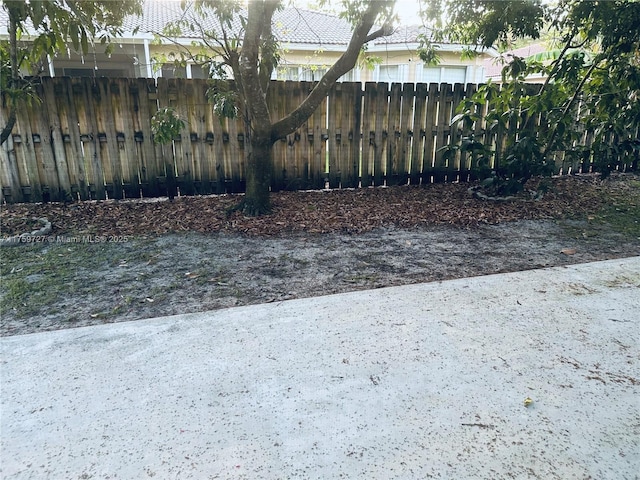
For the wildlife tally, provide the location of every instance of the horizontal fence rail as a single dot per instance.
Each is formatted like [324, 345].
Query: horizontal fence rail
[91, 139]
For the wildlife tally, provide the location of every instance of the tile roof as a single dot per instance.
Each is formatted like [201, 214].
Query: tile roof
[493, 66]
[291, 24]
[404, 34]
[297, 25]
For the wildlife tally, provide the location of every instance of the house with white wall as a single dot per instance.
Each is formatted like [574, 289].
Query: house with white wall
[310, 42]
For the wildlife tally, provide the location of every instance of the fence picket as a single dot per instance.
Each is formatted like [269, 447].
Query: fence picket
[393, 134]
[107, 137]
[292, 171]
[406, 133]
[302, 147]
[418, 133]
[213, 147]
[29, 177]
[233, 155]
[455, 165]
[42, 145]
[368, 133]
[11, 192]
[143, 109]
[428, 165]
[197, 103]
[335, 144]
[69, 125]
[85, 108]
[381, 134]
[56, 144]
[317, 143]
[351, 133]
[121, 104]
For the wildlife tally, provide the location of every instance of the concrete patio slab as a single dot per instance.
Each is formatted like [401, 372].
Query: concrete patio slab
[415, 382]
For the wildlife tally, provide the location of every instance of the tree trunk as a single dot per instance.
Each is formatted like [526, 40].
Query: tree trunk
[13, 80]
[259, 165]
[253, 72]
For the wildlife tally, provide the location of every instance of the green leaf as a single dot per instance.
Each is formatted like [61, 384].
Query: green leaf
[74, 35]
[37, 13]
[84, 42]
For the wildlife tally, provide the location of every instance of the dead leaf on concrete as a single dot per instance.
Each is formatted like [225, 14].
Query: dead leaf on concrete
[568, 251]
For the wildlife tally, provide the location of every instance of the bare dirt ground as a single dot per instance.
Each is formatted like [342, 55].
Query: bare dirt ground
[116, 261]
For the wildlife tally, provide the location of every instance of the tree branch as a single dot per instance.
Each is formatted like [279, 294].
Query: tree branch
[346, 62]
[554, 70]
[250, 82]
[385, 31]
[556, 62]
[268, 60]
[14, 19]
[8, 128]
[579, 88]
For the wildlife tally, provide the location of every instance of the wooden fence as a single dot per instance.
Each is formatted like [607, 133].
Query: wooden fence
[91, 139]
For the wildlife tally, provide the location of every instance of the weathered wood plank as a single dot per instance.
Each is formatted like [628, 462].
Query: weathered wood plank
[282, 165]
[52, 90]
[278, 107]
[317, 145]
[107, 141]
[123, 112]
[85, 108]
[302, 149]
[334, 131]
[150, 166]
[394, 147]
[499, 141]
[196, 105]
[370, 98]
[417, 146]
[32, 182]
[10, 190]
[429, 161]
[233, 156]
[41, 139]
[442, 132]
[292, 168]
[352, 126]
[236, 144]
[303, 155]
[406, 133]
[181, 143]
[214, 150]
[454, 163]
[69, 125]
[466, 131]
[167, 152]
[381, 134]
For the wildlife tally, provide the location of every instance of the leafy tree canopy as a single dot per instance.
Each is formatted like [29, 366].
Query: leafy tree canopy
[592, 87]
[236, 40]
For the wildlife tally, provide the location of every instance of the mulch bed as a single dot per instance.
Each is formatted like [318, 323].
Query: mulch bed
[350, 211]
